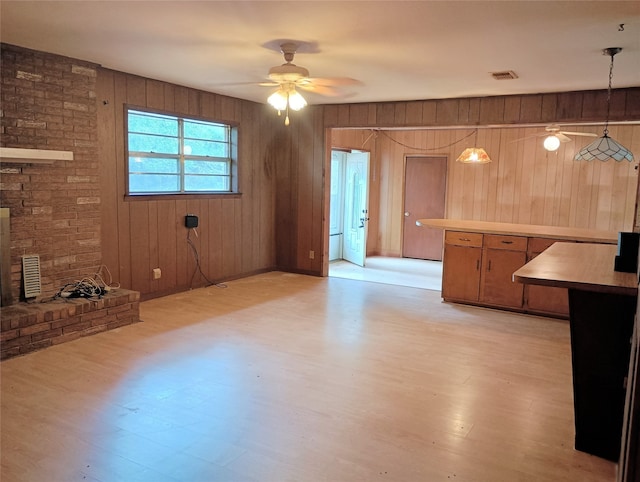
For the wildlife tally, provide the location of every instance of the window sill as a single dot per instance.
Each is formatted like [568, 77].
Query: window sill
[165, 197]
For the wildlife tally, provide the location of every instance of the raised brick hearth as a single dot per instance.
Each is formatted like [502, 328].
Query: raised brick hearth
[27, 327]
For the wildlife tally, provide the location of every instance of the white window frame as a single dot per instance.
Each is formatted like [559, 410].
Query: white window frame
[181, 157]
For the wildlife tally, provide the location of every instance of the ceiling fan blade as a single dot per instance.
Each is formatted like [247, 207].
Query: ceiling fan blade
[586, 134]
[320, 89]
[562, 138]
[528, 137]
[333, 81]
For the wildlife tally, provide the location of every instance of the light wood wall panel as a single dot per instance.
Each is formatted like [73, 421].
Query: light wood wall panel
[524, 183]
[236, 235]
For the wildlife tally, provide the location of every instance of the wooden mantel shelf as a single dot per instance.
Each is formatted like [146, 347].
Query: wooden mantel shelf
[17, 155]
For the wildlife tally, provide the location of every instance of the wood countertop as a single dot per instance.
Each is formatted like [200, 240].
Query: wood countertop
[531, 230]
[583, 266]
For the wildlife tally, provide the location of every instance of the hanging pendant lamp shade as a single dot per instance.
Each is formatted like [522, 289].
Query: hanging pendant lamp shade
[474, 155]
[605, 147]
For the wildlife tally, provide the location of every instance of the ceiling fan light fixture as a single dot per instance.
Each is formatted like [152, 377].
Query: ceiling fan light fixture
[296, 101]
[474, 155]
[551, 143]
[604, 148]
[278, 100]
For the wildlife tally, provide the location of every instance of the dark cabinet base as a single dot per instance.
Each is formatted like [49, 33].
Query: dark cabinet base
[601, 330]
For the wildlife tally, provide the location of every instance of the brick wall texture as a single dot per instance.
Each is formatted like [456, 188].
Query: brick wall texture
[48, 102]
[33, 326]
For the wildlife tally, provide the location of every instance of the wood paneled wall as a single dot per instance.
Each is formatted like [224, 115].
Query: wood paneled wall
[524, 183]
[280, 216]
[539, 109]
[236, 233]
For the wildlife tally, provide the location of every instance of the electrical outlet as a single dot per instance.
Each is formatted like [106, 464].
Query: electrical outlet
[312, 255]
[157, 273]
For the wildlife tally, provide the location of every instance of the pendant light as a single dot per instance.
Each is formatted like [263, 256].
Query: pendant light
[604, 148]
[474, 155]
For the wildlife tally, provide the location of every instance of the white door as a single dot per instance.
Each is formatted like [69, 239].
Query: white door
[356, 205]
[336, 205]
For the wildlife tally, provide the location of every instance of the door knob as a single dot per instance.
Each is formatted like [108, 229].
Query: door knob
[406, 214]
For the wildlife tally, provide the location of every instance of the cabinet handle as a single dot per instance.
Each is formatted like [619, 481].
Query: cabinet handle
[489, 266]
[464, 239]
[478, 265]
[507, 242]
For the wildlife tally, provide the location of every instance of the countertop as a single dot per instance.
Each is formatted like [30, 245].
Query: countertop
[529, 230]
[583, 266]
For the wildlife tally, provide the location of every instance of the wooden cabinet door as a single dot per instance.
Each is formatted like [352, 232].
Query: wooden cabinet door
[461, 273]
[548, 300]
[497, 285]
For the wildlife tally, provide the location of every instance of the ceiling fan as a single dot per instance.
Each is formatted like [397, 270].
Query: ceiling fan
[289, 76]
[554, 136]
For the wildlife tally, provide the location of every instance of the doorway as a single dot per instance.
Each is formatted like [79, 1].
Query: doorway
[425, 184]
[348, 209]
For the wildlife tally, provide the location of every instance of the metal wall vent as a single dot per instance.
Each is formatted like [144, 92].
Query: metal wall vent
[505, 75]
[31, 275]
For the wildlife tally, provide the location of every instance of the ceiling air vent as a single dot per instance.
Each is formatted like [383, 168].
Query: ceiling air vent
[31, 275]
[505, 75]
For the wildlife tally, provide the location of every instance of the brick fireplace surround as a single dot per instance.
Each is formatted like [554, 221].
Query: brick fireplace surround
[30, 327]
[49, 102]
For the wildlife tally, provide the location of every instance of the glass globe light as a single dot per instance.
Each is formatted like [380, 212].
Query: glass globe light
[551, 143]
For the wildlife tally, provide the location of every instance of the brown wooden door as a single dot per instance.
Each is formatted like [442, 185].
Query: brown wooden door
[425, 185]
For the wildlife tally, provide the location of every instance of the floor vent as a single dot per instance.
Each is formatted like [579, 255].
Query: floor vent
[31, 275]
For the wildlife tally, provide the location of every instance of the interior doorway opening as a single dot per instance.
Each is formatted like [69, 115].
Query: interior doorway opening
[349, 206]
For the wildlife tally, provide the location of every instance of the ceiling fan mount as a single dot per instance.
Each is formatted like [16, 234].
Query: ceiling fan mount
[288, 72]
[290, 75]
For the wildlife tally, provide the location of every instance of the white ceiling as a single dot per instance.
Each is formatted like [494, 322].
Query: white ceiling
[398, 50]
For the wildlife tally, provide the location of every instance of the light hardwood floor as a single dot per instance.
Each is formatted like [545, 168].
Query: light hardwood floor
[417, 273]
[285, 377]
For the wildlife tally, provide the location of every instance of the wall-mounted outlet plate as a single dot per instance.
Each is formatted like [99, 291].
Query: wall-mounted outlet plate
[157, 273]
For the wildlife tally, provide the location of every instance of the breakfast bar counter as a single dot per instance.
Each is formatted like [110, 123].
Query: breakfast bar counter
[602, 307]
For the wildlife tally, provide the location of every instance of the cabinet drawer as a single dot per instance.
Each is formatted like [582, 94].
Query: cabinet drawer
[460, 238]
[512, 243]
[538, 245]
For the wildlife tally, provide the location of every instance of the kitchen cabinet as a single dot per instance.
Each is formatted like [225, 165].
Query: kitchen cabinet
[501, 256]
[480, 258]
[546, 300]
[463, 258]
[478, 268]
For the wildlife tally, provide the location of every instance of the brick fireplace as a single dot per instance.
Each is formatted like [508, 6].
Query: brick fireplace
[49, 103]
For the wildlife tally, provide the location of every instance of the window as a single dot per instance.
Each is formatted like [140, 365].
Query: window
[175, 155]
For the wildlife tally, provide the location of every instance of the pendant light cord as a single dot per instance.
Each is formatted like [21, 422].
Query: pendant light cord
[606, 124]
